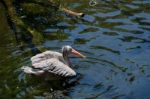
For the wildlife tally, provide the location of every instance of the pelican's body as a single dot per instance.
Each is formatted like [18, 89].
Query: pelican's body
[52, 62]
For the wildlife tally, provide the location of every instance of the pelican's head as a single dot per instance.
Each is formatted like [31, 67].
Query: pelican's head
[67, 49]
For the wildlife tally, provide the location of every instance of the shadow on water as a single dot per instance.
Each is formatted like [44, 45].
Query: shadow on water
[114, 35]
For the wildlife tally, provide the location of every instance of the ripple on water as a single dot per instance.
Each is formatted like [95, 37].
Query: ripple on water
[114, 35]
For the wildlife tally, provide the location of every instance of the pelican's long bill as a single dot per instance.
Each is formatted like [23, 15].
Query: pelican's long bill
[77, 53]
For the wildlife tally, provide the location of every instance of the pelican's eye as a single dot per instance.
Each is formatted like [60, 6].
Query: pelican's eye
[69, 49]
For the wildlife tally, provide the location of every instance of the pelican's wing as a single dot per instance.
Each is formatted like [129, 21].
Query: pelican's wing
[55, 66]
[30, 70]
[46, 55]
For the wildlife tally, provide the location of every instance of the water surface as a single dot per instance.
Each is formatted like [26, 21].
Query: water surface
[115, 37]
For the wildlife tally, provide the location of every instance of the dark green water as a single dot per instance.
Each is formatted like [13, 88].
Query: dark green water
[115, 37]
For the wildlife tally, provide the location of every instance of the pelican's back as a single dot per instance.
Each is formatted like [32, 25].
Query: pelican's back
[55, 66]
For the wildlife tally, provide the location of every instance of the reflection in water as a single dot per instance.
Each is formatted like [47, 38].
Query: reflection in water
[114, 35]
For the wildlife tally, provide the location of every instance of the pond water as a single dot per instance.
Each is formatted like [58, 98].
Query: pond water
[115, 37]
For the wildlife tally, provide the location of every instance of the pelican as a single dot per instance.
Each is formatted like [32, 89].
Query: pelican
[53, 62]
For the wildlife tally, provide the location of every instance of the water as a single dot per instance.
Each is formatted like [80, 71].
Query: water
[114, 35]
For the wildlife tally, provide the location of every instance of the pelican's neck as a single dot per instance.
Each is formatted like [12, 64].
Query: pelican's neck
[66, 58]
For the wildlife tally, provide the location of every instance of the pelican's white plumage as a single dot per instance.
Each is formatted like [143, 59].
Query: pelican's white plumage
[52, 62]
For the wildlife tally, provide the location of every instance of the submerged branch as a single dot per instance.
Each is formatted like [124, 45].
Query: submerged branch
[66, 10]
[72, 13]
